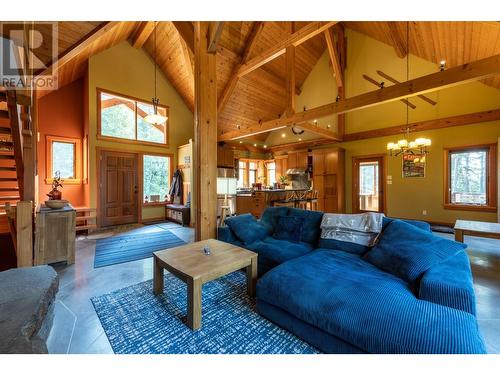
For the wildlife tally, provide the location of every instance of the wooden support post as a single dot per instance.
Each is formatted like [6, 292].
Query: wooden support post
[341, 53]
[24, 234]
[290, 80]
[205, 150]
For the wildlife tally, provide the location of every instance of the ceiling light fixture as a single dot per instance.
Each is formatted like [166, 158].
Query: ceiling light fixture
[155, 118]
[265, 146]
[283, 135]
[404, 146]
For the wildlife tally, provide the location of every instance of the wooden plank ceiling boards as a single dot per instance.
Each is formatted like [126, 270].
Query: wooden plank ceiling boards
[252, 71]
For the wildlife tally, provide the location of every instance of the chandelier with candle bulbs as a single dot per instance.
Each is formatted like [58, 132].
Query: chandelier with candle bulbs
[404, 146]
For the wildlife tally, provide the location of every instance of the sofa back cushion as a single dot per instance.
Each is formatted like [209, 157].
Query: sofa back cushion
[407, 251]
[311, 226]
[247, 228]
[270, 217]
[349, 247]
[419, 224]
[289, 228]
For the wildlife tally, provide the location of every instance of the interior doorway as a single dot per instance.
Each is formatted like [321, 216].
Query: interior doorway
[368, 177]
[118, 188]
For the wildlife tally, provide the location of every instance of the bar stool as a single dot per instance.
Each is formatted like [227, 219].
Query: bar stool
[301, 200]
[225, 211]
[289, 201]
[312, 202]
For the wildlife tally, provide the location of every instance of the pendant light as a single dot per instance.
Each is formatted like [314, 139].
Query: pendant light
[155, 118]
[404, 146]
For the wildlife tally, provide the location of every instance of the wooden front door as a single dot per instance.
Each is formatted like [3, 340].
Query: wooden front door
[118, 188]
[368, 184]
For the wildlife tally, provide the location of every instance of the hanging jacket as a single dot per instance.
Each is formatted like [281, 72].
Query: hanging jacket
[176, 185]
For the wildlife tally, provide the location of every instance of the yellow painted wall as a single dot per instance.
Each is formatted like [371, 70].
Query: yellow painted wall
[126, 70]
[410, 196]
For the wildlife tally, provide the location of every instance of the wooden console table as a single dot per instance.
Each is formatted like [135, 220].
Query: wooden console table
[476, 228]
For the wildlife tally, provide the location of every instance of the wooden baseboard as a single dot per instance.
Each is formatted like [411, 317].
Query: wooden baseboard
[153, 220]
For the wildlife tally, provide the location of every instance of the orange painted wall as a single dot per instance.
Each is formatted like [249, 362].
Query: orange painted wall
[61, 113]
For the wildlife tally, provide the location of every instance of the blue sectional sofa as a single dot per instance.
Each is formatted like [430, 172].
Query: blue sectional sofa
[411, 293]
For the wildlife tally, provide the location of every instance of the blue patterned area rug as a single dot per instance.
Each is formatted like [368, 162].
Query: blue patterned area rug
[127, 248]
[137, 322]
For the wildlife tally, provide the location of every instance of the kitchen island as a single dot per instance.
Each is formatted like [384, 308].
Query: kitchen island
[257, 201]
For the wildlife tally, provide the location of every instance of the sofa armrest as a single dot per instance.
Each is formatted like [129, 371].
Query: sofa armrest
[226, 234]
[450, 284]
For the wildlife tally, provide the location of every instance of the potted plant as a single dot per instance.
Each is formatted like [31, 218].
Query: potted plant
[55, 194]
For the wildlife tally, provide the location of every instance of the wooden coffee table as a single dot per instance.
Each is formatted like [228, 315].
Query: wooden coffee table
[191, 265]
[476, 228]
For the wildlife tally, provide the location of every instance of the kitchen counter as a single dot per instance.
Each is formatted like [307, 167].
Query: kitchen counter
[256, 202]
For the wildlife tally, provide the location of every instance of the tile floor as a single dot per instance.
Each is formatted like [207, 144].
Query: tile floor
[77, 328]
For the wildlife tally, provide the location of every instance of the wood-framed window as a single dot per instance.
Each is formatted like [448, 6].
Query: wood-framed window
[471, 178]
[63, 155]
[270, 172]
[156, 177]
[121, 118]
[248, 172]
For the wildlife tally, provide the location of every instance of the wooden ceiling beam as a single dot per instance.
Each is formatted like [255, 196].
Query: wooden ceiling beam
[296, 39]
[233, 81]
[301, 145]
[214, 34]
[440, 123]
[290, 80]
[79, 46]
[399, 44]
[324, 133]
[394, 80]
[379, 85]
[142, 34]
[186, 31]
[334, 58]
[458, 75]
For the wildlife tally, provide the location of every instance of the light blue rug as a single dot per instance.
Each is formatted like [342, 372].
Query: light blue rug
[136, 321]
[130, 247]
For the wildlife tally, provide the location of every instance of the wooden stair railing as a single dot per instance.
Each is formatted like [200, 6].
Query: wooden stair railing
[21, 228]
[16, 166]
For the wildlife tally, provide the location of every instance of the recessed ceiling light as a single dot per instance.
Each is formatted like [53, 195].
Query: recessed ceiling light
[241, 141]
[315, 122]
[328, 126]
[300, 139]
[283, 135]
[255, 145]
[265, 146]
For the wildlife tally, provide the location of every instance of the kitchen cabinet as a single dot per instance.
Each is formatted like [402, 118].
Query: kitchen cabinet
[297, 159]
[329, 179]
[281, 165]
[225, 157]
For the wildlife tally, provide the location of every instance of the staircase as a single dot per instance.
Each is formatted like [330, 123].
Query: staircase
[10, 154]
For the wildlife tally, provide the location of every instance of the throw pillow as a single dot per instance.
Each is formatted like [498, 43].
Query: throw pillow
[289, 228]
[247, 228]
[407, 251]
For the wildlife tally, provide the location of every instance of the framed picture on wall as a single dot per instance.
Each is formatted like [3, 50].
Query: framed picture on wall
[414, 165]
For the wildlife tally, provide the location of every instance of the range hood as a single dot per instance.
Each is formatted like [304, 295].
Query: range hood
[296, 171]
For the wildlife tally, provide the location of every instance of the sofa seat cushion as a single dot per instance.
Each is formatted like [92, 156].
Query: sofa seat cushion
[247, 228]
[375, 311]
[273, 252]
[407, 251]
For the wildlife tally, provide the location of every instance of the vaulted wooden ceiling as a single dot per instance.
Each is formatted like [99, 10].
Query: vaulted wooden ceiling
[260, 95]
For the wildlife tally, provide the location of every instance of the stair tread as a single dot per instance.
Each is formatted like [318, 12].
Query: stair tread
[9, 189]
[11, 157]
[8, 179]
[10, 198]
[12, 169]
